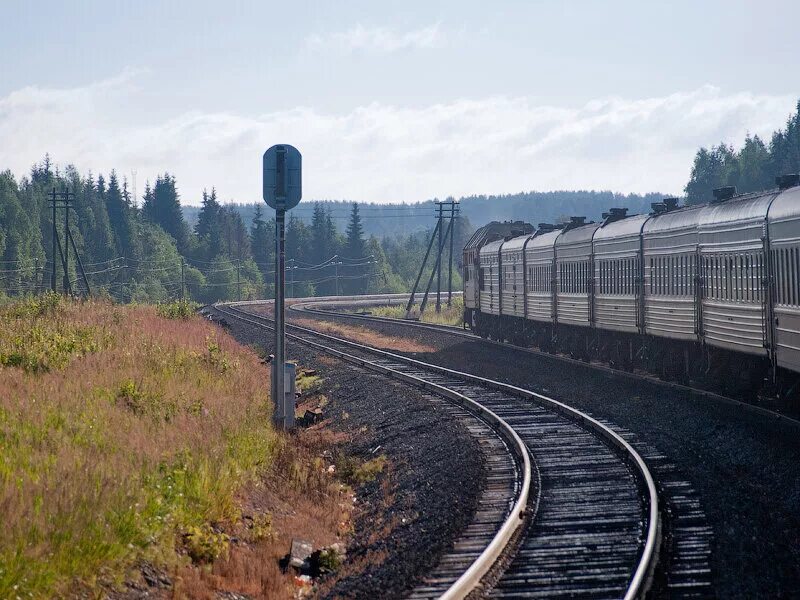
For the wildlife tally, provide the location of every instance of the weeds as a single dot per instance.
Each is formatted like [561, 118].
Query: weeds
[178, 309]
[450, 315]
[122, 435]
[356, 472]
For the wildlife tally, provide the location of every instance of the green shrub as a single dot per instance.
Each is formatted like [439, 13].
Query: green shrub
[179, 309]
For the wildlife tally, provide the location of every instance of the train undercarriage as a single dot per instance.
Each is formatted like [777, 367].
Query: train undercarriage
[686, 362]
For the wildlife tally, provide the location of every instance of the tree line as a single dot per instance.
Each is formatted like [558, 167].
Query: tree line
[751, 168]
[144, 250]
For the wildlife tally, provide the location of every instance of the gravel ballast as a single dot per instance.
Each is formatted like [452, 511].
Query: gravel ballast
[410, 514]
[744, 465]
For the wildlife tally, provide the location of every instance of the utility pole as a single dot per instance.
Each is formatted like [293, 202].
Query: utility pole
[55, 241]
[67, 286]
[439, 205]
[421, 269]
[239, 265]
[183, 278]
[291, 278]
[336, 265]
[64, 198]
[453, 215]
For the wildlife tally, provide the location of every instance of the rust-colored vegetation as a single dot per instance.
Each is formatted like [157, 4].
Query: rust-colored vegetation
[367, 336]
[130, 438]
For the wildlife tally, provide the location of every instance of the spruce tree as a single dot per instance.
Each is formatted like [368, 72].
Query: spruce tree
[162, 207]
[121, 217]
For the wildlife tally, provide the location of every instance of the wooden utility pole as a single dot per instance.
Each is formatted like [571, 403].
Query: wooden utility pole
[453, 215]
[183, 278]
[439, 206]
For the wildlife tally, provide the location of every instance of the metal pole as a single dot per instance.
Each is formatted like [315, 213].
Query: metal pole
[450, 266]
[66, 239]
[183, 278]
[336, 264]
[280, 350]
[55, 241]
[439, 264]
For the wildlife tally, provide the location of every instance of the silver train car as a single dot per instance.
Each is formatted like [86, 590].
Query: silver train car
[707, 291]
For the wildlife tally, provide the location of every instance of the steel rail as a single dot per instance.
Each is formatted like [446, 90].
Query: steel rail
[475, 573]
[304, 305]
[639, 581]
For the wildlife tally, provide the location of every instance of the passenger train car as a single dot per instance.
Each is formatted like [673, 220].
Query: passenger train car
[709, 290]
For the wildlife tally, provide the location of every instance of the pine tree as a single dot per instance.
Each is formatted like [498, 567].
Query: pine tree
[162, 207]
[354, 244]
[354, 250]
[121, 217]
[209, 227]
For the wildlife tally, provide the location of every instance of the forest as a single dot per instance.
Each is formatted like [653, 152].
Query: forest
[146, 250]
[152, 249]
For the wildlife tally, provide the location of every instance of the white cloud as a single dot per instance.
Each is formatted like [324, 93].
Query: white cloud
[386, 153]
[376, 39]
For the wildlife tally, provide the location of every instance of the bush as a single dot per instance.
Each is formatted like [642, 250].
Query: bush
[179, 309]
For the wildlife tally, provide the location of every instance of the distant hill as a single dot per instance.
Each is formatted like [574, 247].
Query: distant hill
[384, 220]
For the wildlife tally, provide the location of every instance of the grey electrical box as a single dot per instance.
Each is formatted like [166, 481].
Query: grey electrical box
[284, 404]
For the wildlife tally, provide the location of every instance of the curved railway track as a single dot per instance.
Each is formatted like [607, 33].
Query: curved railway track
[371, 301]
[593, 512]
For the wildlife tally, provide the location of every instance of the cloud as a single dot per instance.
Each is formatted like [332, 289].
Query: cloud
[384, 153]
[375, 39]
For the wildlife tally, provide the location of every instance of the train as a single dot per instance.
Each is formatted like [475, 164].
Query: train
[704, 291]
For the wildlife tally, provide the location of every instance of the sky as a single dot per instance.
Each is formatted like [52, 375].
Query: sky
[392, 101]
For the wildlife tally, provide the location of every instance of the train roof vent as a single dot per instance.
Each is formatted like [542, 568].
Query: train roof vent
[614, 214]
[546, 227]
[670, 203]
[724, 193]
[787, 181]
[659, 208]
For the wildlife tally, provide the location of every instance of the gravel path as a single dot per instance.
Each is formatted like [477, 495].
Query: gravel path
[411, 513]
[745, 467]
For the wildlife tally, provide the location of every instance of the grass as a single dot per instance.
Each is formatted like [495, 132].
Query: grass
[450, 315]
[124, 433]
[367, 336]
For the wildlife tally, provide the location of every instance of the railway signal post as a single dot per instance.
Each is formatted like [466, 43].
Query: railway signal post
[282, 190]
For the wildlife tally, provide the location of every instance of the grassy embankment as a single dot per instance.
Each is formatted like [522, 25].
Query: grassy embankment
[451, 315]
[131, 434]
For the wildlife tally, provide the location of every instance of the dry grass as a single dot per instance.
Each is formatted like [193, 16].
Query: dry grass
[122, 431]
[365, 335]
[450, 315]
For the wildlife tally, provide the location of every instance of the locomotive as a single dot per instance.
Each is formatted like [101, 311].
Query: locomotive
[708, 291]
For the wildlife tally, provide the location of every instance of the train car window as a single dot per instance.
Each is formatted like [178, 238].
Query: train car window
[794, 267]
[746, 277]
[784, 275]
[791, 275]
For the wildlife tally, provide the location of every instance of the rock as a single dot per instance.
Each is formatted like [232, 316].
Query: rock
[299, 555]
[339, 548]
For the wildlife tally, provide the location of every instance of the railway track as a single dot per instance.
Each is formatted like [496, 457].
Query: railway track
[310, 306]
[593, 510]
